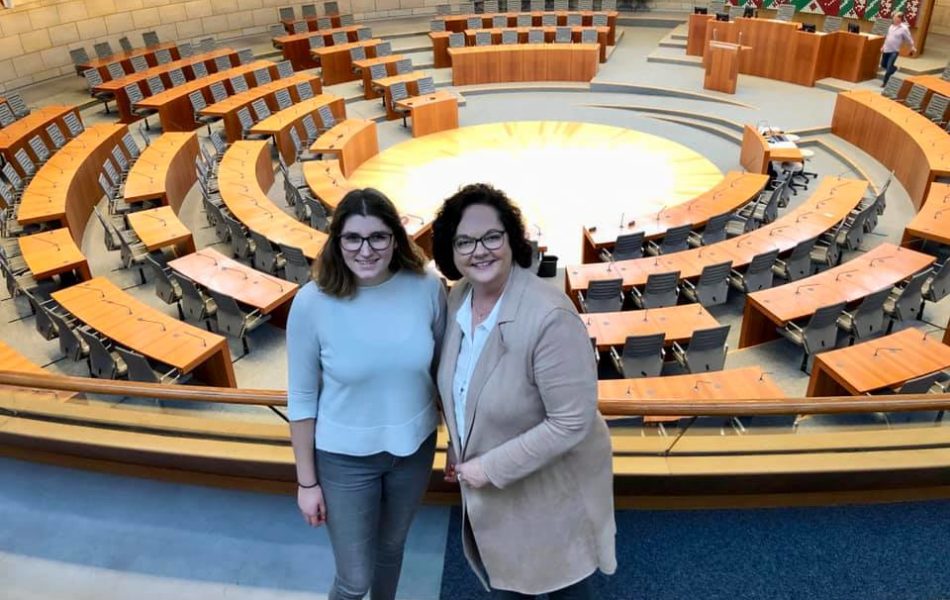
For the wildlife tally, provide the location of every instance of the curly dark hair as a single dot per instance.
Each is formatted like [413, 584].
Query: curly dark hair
[450, 215]
[332, 275]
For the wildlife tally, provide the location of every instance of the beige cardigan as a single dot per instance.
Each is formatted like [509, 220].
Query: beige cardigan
[546, 520]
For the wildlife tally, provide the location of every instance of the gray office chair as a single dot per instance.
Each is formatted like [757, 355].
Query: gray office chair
[223, 63]
[712, 288]
[798, 264]
[103, 362]
[283, 99]
[198, 104]
[758, 275]
[196, 305]
[937, 286]
[41, 321]
[166, 288]
[94, 80]
[915, 97]
[642, 356]
[297, 268]
[936, 108]
[241, 246]
[893, 88]
[304, 91]
[139, 64]
[71, 344]
[523, 21]
[676, 239]
[139, 369]
[482, 38]
[906, 302]
[457, 40]
[103, 49]
[660, 290]
[235, 321]
[626, 247]
[562, 35]
[818, 335]
[603, 295]
[867, 320]
[150, 38]
[266, 258]
[706, 350]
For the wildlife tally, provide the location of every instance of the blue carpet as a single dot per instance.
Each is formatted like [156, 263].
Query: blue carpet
[887, 551]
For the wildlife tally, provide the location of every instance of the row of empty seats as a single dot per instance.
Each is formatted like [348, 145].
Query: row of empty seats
[12, 108]
[494, 6]
[104, 50]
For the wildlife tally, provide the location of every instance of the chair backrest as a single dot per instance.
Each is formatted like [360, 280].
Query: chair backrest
[561, 5]
[230, 318]
[299, 27]
[111, 173]
[676, 239]
[177, 77]
[712, 289]
[562, 35]
[599, 20]
[574, 20]
[286, 13]
[893, 88]
[443, 9]
[73, 124]
[426, 85]
[105, 185]
[103, 49]
[12, 177]
[758, 275]
[482, 38]
[297, 268]
[384, 49]
[403, 66]
[326, 116]
[643, 355]
[490, 6]
[199, 70]
[821, 331]
[79, 56]
[6, 114]
[69, 342]
[707, 349]
[499, 21]
[358, 53]
[915, 96]
[186, 50]
[523, 20]
[316, 41]
[40, 151]
[339, 38]
[661, 290]
[56, 135]
[277, 30]
[628, 245]
[304, 90]
[238, 84]
[588, 36]
[26, 163]
[869, 315]
[936, 107]
[831, 24]
[138, 366]
[585, 5]
[155, 85]
[262, 76]
[197, 101]
[222, 63]
[240, 245]
[324, 23]
[319, 219]
[283, 99]
[101, 362]
[139, 63]
[207, 44]
[456, 40]
[245, 119]
[331, 8]
[736, 12]
[398, 91]
[111, 238]
[535, 36]
[163, 56]
[346, 20]
[473, 23]
[245, 56]
[548, 20]
[115, 70]
[880, 27]
[219, 93]
[120, 158]
[378, 71]
[93, 78]
[938, 286]
[309, 11]
[260, 109]
[536, 5]
[150, 38]
[125, 44]
[364, 33]
[920, 385]
[310, 127]
[798, 263]
[946, 73]
[604, 295]
[509, 36]
[910, 301]
[192, 300]
[786, 12]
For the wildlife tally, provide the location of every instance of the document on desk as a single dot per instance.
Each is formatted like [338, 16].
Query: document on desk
[786, 145]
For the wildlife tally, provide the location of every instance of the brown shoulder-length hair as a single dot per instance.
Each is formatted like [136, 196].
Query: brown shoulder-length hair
[450, 215]
[332, 275]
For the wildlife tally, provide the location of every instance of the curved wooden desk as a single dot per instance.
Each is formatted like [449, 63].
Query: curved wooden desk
[116, 87]
[227, 109]
[246, 171]
[102, 64]
[354, 141]
[214, 271]
[756, 152]
[364, 66]
[326, 181]
[11, 360]
[524, 62]
[456, 23]
[53, 252]
[734, 191]
[440, 40]
[296, 46]
[880, 268]
[66, 188]
[164, 171]
[432, 113]
[932, 223]
[878, 364]
[279, 124]
[122, 318]
[677, 322]
[159, 228]
[832, 201]
[934, 84]
[915, 148]
[18, 134]
[337, 64]
[174, 106]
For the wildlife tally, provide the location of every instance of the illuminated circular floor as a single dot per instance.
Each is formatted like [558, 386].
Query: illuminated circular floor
[563, 174]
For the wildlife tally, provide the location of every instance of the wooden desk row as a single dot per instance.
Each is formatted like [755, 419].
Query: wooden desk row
[440, 40]
[280, 123]
[164, 171]
[933, 84]
[880, 268]
[677, 322]
[296, 46]
[159, 228]
[756, 152]
[53, 252]
[122, 318]
[830, 204]
[66, 188]
[455, 23]
[432, 113]
[932, 222]
[780, 50]
[228, 109]
[734, 191]
[125, 58]
[352, 142]
[18, 134]
[877, 365]
[524, 62]
[117, 87]
[325, 179]
[11, 360]
[916, 149]
[214, 271]
[385, 84]
[244, 176]
[174, 107]
[337, 64]
[335, 21]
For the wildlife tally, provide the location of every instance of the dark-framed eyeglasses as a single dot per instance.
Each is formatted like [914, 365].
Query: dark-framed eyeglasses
[493, 239]
[378, 241]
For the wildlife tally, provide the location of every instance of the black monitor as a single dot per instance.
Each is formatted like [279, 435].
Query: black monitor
[854, 28]
[700, 10]
[808, 28]
[722, 16]
[749, 11]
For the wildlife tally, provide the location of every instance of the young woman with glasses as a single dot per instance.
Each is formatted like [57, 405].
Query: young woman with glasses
[519, 393]
[362, 341]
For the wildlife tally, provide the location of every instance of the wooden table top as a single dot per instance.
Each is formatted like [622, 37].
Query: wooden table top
[296, 37]
[496, 31]
[122, 318]
[158, 227]
[215, 271]
[729, 384]
[182, 91]
[935, 83]
[734, 191]
[281, 119]
[127, 55]
[389, 81]
[337, 136]
[239, 179]
[522, 49]
[45, 198]
[885, 362]
[11, 360]
[116, 84]
[677, 322]
[326, 181]
[879, 268]
[831, 202]
[933, 220]
[438, 96]
[147, 177]
[337, 48]
[236, 101]
[20, 131]
[51, 252]
[366, 63]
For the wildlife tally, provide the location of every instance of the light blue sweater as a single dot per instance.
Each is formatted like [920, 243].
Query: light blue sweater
[363, 366]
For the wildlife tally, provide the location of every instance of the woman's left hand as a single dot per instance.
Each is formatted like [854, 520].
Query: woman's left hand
[472, 474]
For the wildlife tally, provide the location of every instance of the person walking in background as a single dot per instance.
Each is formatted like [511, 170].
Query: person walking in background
[898, 34]
[519, 394]
[362, 341]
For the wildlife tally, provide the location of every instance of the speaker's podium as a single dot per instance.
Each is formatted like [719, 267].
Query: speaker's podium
[721, 60]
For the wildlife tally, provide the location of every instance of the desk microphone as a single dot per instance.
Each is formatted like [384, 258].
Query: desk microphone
[279, 285]
[660, 212]
[779, 228]
[144, 320]
[610, 262]
[156, 217]
[703, 381]
[204, 342]
[45, 241]
[238, 271]
[622, 215]
[211, 258]
[892, 349]
[798, 290]
[832, 191]
[881, 258]
[937, 213]
[799, 217]
[764, 373]
[107, 301]
[848, 272]
[92, 289]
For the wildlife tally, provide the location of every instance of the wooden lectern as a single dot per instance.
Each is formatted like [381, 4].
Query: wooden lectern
[722, 66]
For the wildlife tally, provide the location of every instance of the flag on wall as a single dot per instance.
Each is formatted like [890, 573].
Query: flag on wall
[868, 10]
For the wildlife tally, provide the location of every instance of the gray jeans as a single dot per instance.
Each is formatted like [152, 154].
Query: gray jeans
[371, 501]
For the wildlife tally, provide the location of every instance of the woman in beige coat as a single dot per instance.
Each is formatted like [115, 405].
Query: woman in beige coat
[519, 393]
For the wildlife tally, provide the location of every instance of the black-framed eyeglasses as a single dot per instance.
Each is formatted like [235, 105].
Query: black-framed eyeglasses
[493, 239]
[378, 241]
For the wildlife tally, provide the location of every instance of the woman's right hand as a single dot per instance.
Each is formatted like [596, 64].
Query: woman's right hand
[450, 474]
[311, 505]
